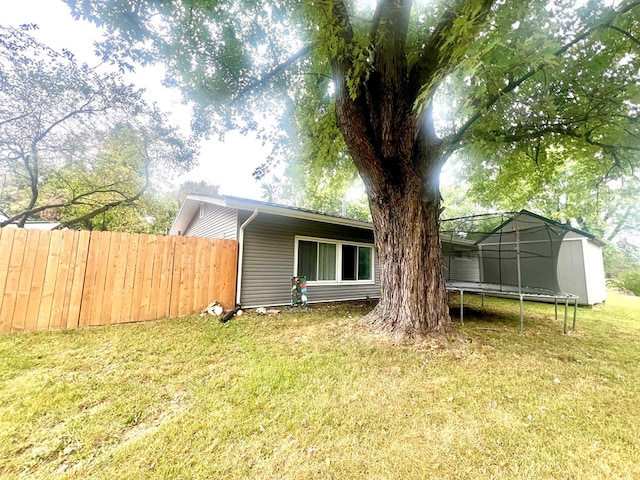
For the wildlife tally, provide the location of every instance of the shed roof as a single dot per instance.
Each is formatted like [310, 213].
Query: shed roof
[549, 221]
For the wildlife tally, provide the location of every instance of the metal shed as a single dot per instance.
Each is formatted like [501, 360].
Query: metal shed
[535, 252]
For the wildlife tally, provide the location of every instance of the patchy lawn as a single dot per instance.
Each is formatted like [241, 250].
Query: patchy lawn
[313, 395]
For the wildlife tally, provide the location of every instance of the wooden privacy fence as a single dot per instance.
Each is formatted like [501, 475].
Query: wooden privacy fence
[69, 279]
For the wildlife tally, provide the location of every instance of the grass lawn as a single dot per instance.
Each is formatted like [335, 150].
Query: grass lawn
[315, 396]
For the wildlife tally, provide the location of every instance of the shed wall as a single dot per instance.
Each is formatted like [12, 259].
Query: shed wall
[462, 262]
[594, 270]
[269, 243]
[571, 269]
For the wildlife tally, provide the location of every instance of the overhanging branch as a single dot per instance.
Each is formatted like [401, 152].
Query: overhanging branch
[626, 34]
[274, 72]
[437, 60]
[454, 140]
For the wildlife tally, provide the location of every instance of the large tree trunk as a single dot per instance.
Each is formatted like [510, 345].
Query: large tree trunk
[413, 297]
[401, 170]
[399, 156]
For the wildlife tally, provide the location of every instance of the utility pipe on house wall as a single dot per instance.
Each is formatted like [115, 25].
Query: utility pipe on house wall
[241, 253]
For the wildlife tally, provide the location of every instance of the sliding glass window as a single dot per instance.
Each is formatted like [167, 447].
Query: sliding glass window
[329, 261]
[317, 260]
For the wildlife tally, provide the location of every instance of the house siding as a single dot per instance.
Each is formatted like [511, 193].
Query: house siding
[268, 259]
[462, 262]
[215, 222]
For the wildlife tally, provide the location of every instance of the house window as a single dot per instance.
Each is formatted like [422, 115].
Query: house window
[331, 261]
[356, 262]
[317, 260]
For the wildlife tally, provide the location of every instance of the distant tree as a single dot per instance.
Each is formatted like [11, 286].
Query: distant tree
[566, 184]
[74, 143]
[303, 188]
[192, 187]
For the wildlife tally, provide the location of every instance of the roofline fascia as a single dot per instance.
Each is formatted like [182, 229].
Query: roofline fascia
[281, 210]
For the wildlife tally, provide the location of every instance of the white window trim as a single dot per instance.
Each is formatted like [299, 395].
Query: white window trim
[338, 244]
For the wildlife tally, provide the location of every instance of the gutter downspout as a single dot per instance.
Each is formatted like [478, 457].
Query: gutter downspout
[241, 254]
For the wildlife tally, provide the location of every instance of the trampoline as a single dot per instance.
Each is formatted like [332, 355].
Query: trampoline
[525, 293]
[512, 254]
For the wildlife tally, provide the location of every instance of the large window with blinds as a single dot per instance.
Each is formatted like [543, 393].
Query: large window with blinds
[329, 261]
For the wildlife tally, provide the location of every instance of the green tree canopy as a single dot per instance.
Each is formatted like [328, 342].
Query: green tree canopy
[400, 86]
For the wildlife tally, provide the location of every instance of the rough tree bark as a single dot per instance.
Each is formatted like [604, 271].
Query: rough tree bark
[404, 199]
[398, 156]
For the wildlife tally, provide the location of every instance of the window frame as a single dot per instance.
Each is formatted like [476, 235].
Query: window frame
[338, 266]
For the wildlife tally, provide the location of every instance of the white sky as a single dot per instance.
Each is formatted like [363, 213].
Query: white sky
[228, 164]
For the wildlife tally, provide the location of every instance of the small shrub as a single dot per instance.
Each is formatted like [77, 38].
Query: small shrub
[630, 281]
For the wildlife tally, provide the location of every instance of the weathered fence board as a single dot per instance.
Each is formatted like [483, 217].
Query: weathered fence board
[69, 279]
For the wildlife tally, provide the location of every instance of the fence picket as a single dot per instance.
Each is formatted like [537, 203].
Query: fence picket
[164, 287]
[67, 279]
[156, 278]
[147, 277]
[100, 285]
[20, 320]
[13, 279]
[88, 288]
[78, 264]
[186, 290]
[228, 263]
[136, 300]
[130, 279]
[117, 284]
[41, 297]
[6, 244]
[63, 283]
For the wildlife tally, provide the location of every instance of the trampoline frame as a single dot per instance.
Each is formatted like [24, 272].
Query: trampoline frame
[493, 290]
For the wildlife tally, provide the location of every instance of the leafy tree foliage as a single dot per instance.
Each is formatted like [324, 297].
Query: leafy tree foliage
[75, 144]
[400, 86]
[201, 187]
[564, 182]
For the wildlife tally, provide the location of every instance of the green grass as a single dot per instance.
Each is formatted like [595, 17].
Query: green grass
[314, 395]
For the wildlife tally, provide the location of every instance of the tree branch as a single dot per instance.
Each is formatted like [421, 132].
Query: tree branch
[437, 58]
[453, 141]
[104, 208]
[277, 70]
[626, 34]
[76, 200]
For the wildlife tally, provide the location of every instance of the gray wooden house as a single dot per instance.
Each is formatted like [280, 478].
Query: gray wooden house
[336, 254]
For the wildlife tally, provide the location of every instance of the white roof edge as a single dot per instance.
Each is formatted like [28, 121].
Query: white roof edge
[185, 214]
[188, 209]
[282, 210]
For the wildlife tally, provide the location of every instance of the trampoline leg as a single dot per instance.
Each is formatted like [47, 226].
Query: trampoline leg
[556, 303]
[575, 312]
[483, 299]
[462, 307]
[566, 307]
[521, 315]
